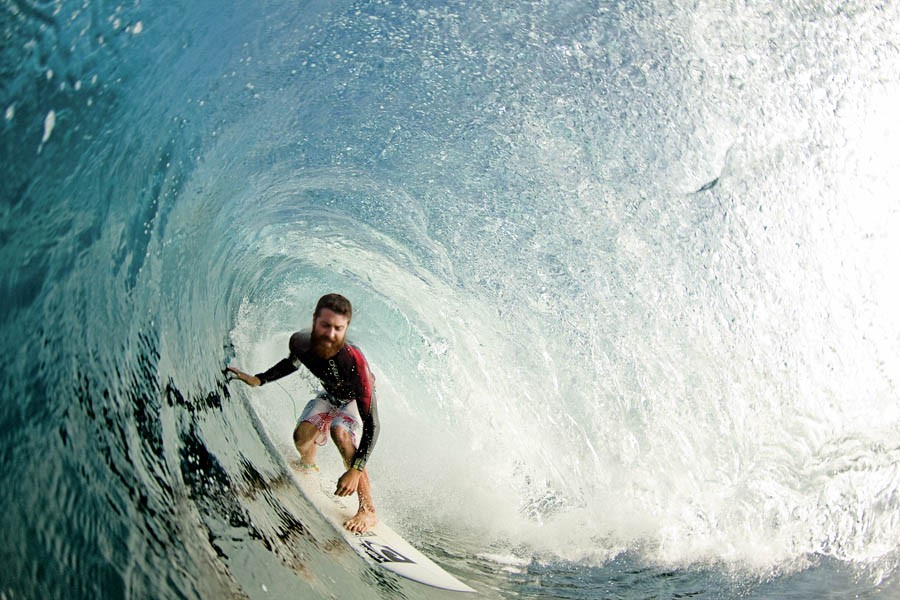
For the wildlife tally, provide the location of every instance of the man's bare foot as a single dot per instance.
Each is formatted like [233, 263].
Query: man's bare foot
[363, 521]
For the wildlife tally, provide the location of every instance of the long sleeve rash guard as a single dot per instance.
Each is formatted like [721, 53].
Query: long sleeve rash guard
[346, 378]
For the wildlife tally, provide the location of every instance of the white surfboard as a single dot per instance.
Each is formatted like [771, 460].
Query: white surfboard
[381, 546]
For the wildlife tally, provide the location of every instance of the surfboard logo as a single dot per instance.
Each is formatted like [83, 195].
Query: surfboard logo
[384, 554]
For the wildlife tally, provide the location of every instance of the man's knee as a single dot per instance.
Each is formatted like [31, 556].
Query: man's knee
[341, 436]
[304, 433]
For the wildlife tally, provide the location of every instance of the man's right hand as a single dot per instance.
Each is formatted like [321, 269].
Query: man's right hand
[251, 380]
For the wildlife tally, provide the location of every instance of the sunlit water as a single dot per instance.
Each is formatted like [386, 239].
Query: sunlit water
[625, 274]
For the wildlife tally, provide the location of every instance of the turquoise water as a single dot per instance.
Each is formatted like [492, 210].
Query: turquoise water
[624, 272]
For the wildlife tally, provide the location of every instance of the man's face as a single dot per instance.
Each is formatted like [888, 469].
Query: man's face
[328, 332]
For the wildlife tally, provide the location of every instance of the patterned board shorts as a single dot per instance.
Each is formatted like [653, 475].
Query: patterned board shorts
[325, 415]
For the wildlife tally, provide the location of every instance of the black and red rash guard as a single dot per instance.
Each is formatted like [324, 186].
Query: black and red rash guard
[346, 378]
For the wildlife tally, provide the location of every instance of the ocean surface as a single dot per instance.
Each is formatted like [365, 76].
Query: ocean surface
[626, 273]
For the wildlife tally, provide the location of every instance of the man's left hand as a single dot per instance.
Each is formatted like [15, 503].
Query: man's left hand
[348, 483]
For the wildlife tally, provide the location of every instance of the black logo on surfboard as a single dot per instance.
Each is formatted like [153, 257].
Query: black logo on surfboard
[384, 554]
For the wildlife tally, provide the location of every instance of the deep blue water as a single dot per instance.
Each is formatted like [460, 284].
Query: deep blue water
[624, 272]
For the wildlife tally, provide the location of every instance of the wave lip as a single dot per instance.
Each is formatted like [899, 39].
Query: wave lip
[617, 365]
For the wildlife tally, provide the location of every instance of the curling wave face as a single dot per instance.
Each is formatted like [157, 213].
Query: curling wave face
[620, 273]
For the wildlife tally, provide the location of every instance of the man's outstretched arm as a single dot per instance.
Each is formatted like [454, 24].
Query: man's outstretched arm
[251, 380]
[283, 367]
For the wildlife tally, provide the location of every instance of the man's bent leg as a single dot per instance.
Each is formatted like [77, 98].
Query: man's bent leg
[305, 441]
[365, 517]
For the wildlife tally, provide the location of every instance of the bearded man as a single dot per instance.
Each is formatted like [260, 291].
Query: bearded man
[346, 406]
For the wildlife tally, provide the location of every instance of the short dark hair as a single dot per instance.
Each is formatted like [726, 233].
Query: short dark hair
[336, 304]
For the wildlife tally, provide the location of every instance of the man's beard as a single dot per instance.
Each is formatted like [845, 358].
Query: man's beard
[323, 347]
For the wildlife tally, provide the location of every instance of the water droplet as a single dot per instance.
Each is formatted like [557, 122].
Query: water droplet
[49, 124]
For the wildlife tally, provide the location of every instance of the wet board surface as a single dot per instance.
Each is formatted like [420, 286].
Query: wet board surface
[381, 546]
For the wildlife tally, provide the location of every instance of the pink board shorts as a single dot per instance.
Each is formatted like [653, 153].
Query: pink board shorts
[324, 415]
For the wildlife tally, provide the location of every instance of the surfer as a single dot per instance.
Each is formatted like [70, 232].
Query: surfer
[347, 403]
